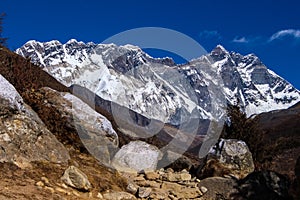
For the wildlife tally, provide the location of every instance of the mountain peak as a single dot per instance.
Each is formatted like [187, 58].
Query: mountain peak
[219, 46]
[131, 47]
[71, 41]
[219, 50]
[219, 53]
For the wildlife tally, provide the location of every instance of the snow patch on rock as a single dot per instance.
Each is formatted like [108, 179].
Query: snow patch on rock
[10, 94]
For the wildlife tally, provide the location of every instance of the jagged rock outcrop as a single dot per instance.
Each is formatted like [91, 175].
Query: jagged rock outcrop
[23, 136]
[229, 157]
[263, 185]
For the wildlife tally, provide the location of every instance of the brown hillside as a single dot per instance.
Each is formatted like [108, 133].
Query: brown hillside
[24, 75]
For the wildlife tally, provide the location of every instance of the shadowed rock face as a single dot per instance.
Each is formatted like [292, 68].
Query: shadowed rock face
[23, 136]
[218, 187]
[281, 131]
[263, 185]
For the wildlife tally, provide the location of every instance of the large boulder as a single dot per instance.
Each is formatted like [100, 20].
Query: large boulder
[78, 124]
[137, 156]
[257, 185]
[229, 157]
[23, 136]
[263, 185]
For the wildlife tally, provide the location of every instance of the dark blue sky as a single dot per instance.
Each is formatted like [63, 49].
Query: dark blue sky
[270, 29]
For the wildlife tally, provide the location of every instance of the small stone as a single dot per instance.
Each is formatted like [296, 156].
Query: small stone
[118, 196]
[152, 184]
[132, 188]
[144, 192]
[171, 186]
[152, 175]
[40, 184]
[90, 194]
[64, 186]
[158, 194]
[172, 197]
[99, 195]
[76, 193]
[129, 175]
[58, 189]
[184, 171]
[172, 177]
[198, 180]
[188, 193]
[203, 189]
[76, 178]
[45, 180]
[185, 177]
[170, 170]
[50, 189]
[139, 178]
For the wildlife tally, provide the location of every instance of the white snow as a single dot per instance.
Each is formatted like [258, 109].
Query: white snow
[85, 113]
[89, 67]
[10, 94]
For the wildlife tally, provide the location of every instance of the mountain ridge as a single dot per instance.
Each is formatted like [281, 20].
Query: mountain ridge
[103, 68]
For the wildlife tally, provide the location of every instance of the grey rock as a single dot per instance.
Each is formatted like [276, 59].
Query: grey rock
[229, 157]
[137, 156]
[23, 135]
[203, 189]
[118, 196]
[263, 185]
[132, 188]
[84, 127]
[76, 179]
[144, 192]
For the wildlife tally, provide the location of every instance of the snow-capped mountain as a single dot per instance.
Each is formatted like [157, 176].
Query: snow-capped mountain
[160, 89]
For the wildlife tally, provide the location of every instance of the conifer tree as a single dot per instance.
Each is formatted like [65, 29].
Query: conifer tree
[2, 39]
[242, 128]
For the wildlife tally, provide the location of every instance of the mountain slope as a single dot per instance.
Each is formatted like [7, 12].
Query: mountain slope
[160, 89]
[281, 132]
